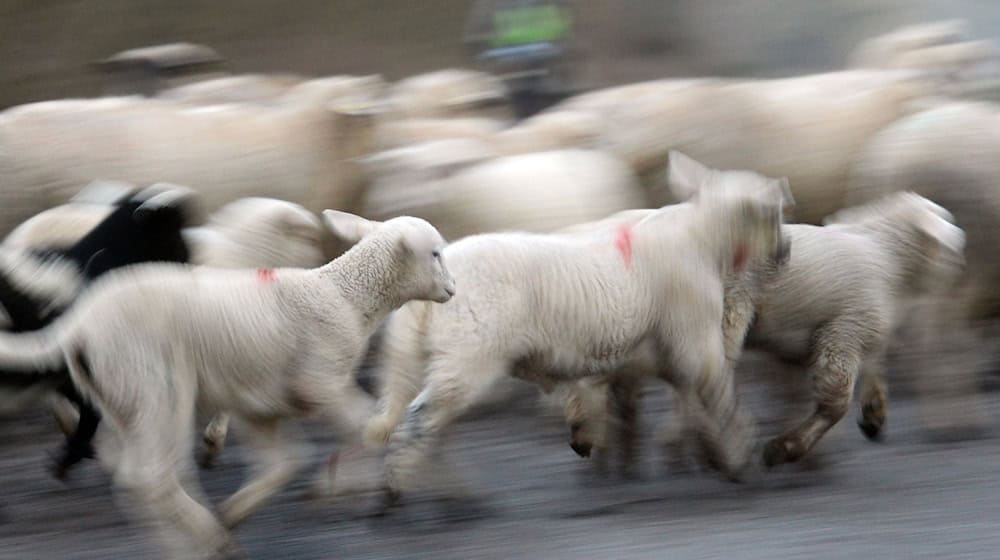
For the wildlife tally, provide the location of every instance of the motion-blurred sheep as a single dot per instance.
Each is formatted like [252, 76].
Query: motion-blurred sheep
[460, 186]
[555, 308]
[950, 155]
[38, 284]
[247, 233]
[832, 307]
[267, 346]
[300, 150]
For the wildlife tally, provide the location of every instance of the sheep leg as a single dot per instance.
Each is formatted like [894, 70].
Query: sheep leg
[402, 376]
[584, 410]
[79, 445]
[154, 467]
[674, 439]
[699, 375]
[833, 373]
[874, 399]
[625, 393]
[449, 392]
[278, 457]
[213, 440]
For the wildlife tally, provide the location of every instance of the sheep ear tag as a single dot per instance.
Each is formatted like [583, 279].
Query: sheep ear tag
[623, 242]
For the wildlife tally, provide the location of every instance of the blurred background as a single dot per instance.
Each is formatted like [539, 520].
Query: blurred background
[48, 46]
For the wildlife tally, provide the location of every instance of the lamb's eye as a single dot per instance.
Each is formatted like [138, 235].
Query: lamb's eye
[436, 254]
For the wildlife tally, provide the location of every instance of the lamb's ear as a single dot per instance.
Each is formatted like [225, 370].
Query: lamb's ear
[161, 196]
[300, 223]
[103, 191]
[348, 227]
[787, 200]
[685, 176]
[939, 235]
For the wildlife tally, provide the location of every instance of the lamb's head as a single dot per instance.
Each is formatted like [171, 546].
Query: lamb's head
[145, 227]
[755, 206]
[931, 246]
[417, 248]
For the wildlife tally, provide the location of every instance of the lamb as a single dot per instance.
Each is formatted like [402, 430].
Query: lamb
[37, 286]
[807, 128]
[266, 346]
[554, 308]
[883, 50]
[300, 149]
[837, 320]
[948, 154]
[242, 88]
[247, 233]
[462, 187]
[451, 92]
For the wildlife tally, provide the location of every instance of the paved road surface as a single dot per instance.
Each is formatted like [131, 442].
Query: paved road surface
[901, 499]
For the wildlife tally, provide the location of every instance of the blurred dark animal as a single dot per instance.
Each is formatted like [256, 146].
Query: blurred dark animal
[144, 226]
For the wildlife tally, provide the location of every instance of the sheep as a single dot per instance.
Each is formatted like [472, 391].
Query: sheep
[807, 128]
[397, 133]
[837, 320]
[451, 92]
[300, 149]
[242, 88]
[463, 188]
[266, 346]
[883, 50]
[947, 154]
[38, 285]
[554, 308]
[247, 233]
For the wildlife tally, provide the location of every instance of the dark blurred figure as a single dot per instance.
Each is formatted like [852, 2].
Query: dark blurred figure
[527, 44]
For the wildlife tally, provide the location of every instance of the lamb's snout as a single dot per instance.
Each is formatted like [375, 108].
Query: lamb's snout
[446, 291]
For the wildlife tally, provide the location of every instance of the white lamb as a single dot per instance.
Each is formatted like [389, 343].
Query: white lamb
[241, 88]
[265, 347]
[555, 308]
[247, 233]
[300, 149]
[833, 307]
[451, 92]
[807, 128]
[462, 187]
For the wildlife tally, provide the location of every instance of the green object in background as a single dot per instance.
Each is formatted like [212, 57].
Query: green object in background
[529, 24]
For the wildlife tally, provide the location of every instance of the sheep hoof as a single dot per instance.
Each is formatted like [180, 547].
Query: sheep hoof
[781, 450]
[206, 459]
[871, 429]
[581, 449]
[390, 502]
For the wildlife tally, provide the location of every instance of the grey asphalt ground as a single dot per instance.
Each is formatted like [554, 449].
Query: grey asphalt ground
[534, 498]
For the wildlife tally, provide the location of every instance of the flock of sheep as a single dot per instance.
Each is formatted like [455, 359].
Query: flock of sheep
[203, 250]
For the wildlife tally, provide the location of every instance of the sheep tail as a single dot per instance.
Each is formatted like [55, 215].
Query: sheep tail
[36, 352]
[402, 370]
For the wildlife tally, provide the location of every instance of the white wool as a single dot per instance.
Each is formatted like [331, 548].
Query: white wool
[265, 348]
[836, 303]
[555, 308]
[299, 149]
[460, 187]
[451, 92]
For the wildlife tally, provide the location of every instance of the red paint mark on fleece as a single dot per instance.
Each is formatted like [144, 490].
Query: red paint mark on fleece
[623, 241]
[265, 275]
[740, 257]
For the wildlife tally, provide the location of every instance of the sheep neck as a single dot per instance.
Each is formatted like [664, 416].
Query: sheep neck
[368, 276]
[723, 234]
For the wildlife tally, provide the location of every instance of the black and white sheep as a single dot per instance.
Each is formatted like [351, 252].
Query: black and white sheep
[147, 343]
